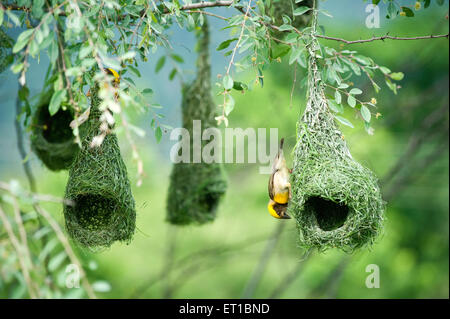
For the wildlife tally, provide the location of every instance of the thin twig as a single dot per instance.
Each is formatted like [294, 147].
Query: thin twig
[207, 13]
[382, 38]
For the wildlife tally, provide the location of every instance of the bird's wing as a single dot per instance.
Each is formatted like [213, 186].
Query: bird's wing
[271, 194]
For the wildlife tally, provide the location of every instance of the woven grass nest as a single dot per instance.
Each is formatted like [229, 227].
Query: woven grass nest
[196, 189]
[52, 139]
[103, 209]
[335, 200]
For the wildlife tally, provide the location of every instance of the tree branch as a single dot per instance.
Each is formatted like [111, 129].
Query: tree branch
[194, 6]
[382, 38]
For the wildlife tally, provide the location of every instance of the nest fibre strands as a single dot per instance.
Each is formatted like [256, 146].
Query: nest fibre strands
[103, 208]
[196, 188]
[336, 201]
[52, 139]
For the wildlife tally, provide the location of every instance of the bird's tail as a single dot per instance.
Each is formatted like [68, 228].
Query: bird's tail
[280, 150]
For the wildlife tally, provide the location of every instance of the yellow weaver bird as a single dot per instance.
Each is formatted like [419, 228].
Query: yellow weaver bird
[279, 186]
[83, 117]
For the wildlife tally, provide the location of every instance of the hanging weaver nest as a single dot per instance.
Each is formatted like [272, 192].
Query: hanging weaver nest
[280, 8]
[196, 188]
[103, 207]
[335, 200]
[52, 139]
[6, 43]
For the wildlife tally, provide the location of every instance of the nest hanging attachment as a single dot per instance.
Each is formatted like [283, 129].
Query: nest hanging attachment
[103, 208]
[52, 139]
[335, 200]
[196, 188]
[280, 8]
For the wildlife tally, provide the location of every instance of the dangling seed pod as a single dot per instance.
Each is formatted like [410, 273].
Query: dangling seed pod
[52, 139]
[196, 188]
[335, 200]
[102, 207]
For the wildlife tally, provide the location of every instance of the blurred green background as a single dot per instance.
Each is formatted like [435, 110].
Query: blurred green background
[408, 152]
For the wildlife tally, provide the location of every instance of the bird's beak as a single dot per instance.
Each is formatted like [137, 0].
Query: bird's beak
[285, 216]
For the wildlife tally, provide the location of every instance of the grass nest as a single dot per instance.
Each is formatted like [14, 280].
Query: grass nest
[335, 200]
[103, 208]
[52, 139]
[196, 189]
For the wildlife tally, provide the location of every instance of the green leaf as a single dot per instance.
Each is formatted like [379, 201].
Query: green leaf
[158, 134]
[225, 44]
[392, 10]
[190, 24]
[397, 76]
[147, 91]
[351, 101]
[160, 63]
[239, 86]
[355, 91]
[22, 40]
[85, 51]
[56, 101]
[229, 105]
[16, 68]
[227, 82]
[172, 74]
[286, 27]
[1, 16]
[301, 10]
[13, 18]
[335, 107]
[337, 97]
[344, 121]
[295, 54]
[385, 70]
[177, 58]
[134, 70]
[391, 86]
[409, 13]
[53, 51]
[365, 113]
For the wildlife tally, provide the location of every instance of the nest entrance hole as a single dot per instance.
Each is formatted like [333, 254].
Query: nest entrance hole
[56, 128]
[94, 211]
[329, 215]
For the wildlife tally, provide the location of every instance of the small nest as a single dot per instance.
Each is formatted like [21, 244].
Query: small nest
[52, 139]
[194, 193]
[103, 209]
[196, 189]
[336, 201]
